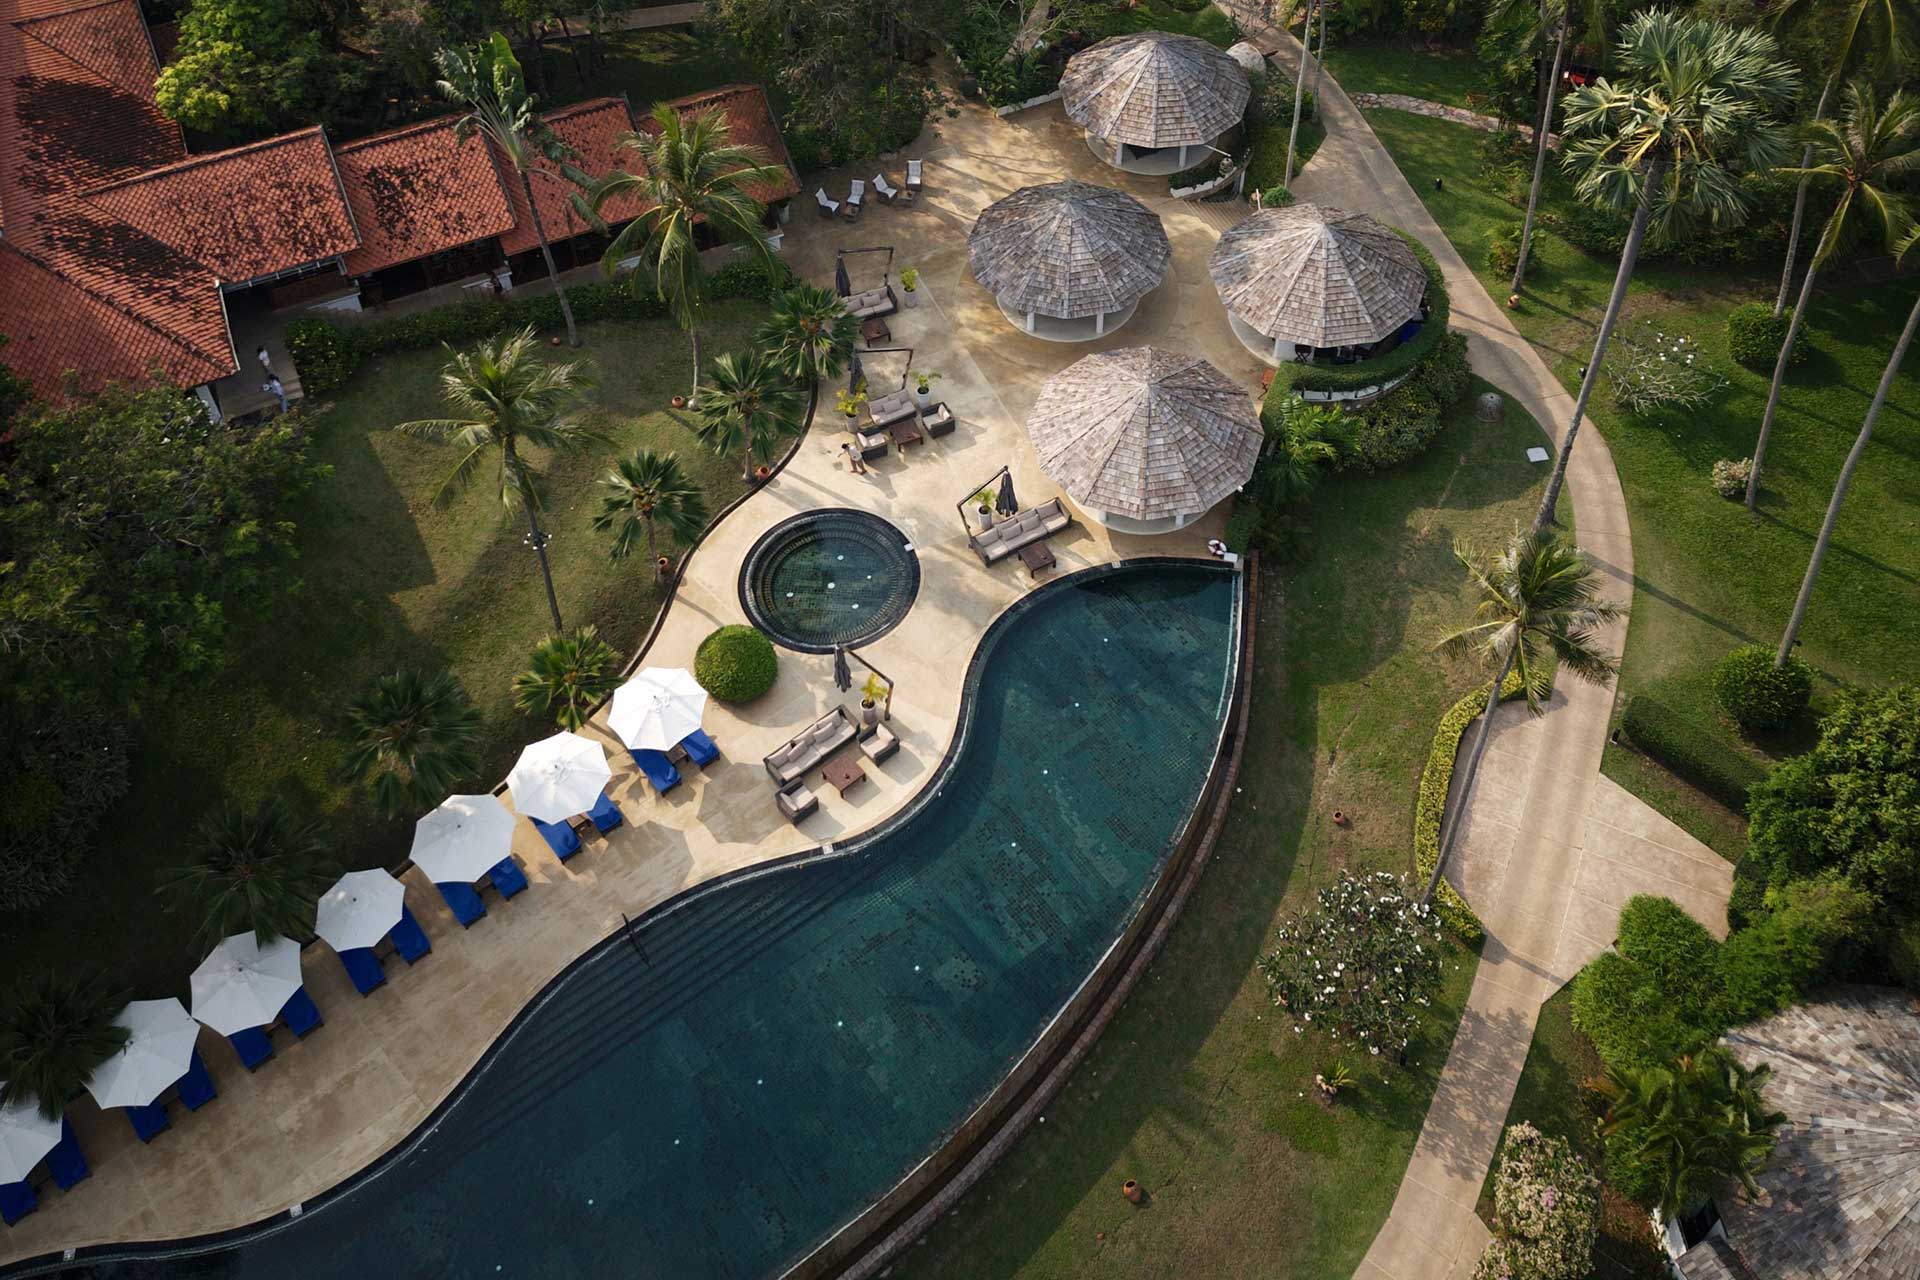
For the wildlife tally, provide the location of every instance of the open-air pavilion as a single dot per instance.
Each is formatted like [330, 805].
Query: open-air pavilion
[1068, 261]
[1153, 102]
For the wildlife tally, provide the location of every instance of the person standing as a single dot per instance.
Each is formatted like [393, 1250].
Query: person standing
[273, 388]
[265, 359]
[855, 463]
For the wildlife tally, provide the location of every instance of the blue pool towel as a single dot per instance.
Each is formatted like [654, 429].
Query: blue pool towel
[409, 939]
[299, 1013]
[464, 899]
[16, 1201]
[700, 749]
[69, 1166]
[364, 968]
[559, 837]
[507, 877]
[659, 770]
[605, 814]
[148, 1122]
[252, 1045]
[196, 1087]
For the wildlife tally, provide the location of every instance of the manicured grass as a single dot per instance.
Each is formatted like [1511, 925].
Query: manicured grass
[385, 582]
[1402, 64]
[1198, 1089]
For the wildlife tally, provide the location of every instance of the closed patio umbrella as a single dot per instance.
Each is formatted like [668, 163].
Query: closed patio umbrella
[842, 673]
[242, 984]
[159, 1049]
[557, 777]
[359, 909]
[657, 708]
[1004, 503]
[462, 840]
[25, 1137]
[855, 374]
[841, 285]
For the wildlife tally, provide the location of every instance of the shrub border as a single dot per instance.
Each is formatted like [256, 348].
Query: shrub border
[1431, 806]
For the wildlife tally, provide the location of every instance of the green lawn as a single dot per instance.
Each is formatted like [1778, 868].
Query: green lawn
[1400, 64]
[1196, 1089]
[386, 582]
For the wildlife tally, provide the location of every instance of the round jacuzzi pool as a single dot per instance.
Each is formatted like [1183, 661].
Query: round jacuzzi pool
[829, 578]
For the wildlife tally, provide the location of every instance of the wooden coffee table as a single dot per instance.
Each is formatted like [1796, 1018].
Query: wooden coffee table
[906, 432]
[1036, 556]
[842, 773]
[874, 329]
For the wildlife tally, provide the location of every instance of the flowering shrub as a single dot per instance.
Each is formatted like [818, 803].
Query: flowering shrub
[1547, 1204]
[1359, 966]
[1654, 370]
[1730, 477]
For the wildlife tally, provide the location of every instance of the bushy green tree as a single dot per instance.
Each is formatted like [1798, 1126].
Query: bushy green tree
[569, 674]
[413, 740]
[809, 336]
[1676, 1131]
[55, 1028]
[246, 68]
[258, 870]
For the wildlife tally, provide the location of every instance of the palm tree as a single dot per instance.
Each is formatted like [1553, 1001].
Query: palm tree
[1695, 1123]
[749, 406]
[504, 396]
[1874, 146]
[55, 1028]
[691, 175]
[1696, 99]
[809, 337]
[1307, 437]
[486, 80]
[644, 491]
[1299, 86]
[414, 739]
[1539, 606]
[259, 871]
[570, 673]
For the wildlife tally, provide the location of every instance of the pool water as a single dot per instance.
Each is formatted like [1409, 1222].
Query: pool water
[792, 1044]
[828, 578]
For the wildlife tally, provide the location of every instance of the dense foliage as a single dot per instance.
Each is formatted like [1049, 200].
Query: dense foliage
[1678, 1131]
[1755, 336]
[412, 740]
[1546, 1204]
[258, 870]
[58, 777]
[568, 676]
[735, 664]
[1690, 751]
[1757, 693]
[55, 1028]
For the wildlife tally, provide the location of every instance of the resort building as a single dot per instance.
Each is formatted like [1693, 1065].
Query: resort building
[1153, 102]
[1068, 261]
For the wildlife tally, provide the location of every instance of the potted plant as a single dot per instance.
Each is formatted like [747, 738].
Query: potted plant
[923, 389]
[910, 280]
[870, 695]
[983, 503]
[849, 402]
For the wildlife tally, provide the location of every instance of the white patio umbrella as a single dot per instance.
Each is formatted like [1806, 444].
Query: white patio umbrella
[461, 840]
[657, 708]
[242, 984]
[159, 1049]
[25, 1136]
[359, 909]
[558, 777]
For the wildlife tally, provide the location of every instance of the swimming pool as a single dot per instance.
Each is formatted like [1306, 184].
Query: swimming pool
[792, 1043]
[827, 578]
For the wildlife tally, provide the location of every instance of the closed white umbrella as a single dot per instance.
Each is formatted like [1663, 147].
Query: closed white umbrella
[558, 777]
[359, 909]
[657, 708]
[25, 1136]
[242, 984]
[159, 1049]
[461, 840]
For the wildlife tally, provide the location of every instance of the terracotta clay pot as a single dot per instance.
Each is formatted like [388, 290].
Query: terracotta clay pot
[1340, 819]
[679, 402]
[762, 473]
[1133, 1191]
[1513, 302]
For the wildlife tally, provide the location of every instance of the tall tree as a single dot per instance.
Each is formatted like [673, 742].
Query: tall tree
[243, 68]
[691, 175]
[1676, 1132]
[809, 337]
[486, 80]
[258, 871]
[749, 406]
[503, 396]
[1874, 147]
[1695, 101]
[413, 740]
[569, 675]
[643, 492]
[56, 1027]
[1539, 607]
[1299, 87]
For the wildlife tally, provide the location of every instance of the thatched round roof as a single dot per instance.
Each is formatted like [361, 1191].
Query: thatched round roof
[1144, 433]
[1248, 55]
[1154, 89]
[1318, 277]
[1068, 249]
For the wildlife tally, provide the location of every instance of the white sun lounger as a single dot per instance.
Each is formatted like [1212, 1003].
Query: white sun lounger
[854, 197]
[828, 205]
[887, 191]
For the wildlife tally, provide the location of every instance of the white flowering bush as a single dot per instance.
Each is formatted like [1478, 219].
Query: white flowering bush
[1653, 370]
[1730, 477]
[1546, 1204]
[1359, 966]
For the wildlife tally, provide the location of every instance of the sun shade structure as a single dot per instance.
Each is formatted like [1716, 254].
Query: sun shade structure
[1068, 260]
[657, 708]
[25, 1137]
[1315, 279]
[359, 910]
[1144, 440]
[462, 840]
[159, 1049]
[1154, 102]
[558, 777]
[242, 984]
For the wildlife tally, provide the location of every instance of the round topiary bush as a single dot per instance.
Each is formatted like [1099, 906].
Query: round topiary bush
[1758, 694]
[735, 664]
[1754, 335]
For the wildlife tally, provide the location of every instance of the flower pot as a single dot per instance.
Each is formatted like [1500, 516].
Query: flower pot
[663, 568]
[1513, 302]
[911, 298]
[986, 519]
[869, 714]
[554, 341]
[679, 402]
[1133, 1191]
[923, 396]
[1340, 819]
[762, 473]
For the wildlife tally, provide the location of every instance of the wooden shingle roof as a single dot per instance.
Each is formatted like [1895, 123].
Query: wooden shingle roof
[1068, 250]
[1144, 433]
[1154, 89]
[1318, 277]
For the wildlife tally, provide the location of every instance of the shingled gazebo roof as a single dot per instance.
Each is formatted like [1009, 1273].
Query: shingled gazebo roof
[1318, 277]
[1145, 434]
[1068, 249]
[1154, 89]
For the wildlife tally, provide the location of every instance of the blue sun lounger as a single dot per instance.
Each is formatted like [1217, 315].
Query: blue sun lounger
[605, 814]
[507, 877]
[659, 770]
[16, 1201]
[148, 1122]
[66, 1161]
[196, 1087]
[559, 837]
[364, 968]
[300, 1014]
[409, 939]
[464, 901]
[700, 749]
[252, 1045]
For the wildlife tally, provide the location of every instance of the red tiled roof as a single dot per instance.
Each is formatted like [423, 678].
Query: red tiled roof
[750, 123]
[414, 192]
[593, 129]
[107, 38]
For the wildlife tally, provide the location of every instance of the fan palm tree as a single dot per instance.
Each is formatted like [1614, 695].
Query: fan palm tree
[486, 80]
[570, 673]
[1696, 100]
[1695, 1123]
[55, 1029]
[1873, 147]
[503, 396]
[809, 337]
[1307, 437]
[1539, 607]
[414, 739]
[749, 406]
[258, 871]
[691, 175]
[643, 492]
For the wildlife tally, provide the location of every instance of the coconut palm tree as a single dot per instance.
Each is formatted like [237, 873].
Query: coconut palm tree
[486, 80]
[55, 1028]
[1539, 606]
[413, 740]
[643, 492]
[809, 337]
[503, 396]
[1873, 147]
[749, 406]
[1695, 101]
[691, 175]
[569, 675]
[258, 871]
[1693, 1124]
[1299, 86]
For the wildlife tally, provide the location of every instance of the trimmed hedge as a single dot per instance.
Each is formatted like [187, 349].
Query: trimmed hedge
[1691, 752]
[735, 663]
[1755, 336]
[1431, 806]
[1758, 694]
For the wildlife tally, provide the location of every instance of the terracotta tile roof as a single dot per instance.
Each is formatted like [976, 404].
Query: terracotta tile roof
[415, 191]
[592, 128]
[751, 123]
[108, 39]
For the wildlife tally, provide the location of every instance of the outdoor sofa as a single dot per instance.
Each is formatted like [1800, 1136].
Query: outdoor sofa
[872, 302]
[811, 747]
[895, 406]
[1013, 532]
